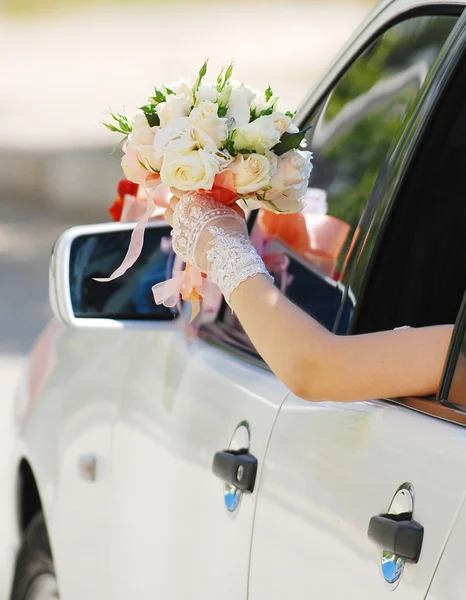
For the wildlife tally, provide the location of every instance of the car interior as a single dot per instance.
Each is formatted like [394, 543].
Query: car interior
[418, 277]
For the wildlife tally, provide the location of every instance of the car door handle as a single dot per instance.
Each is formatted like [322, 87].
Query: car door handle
[236, 467]
[398, 534]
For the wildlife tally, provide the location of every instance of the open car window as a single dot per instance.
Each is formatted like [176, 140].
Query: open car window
[354, 130]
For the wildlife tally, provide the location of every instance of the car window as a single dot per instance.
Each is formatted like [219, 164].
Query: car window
[354, 130]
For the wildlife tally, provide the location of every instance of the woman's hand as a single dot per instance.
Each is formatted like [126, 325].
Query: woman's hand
[205, 230]
[178, 194]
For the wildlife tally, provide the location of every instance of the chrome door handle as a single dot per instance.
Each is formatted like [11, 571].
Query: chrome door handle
[236, 467]
[397, 534]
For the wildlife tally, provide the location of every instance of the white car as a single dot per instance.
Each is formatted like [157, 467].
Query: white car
[156, 459]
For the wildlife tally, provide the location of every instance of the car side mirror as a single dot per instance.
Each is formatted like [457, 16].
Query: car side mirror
[82, 253]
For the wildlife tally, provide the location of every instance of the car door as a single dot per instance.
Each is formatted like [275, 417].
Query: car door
[179, 531]
[76, 380]
[450, 578]
[331, 467]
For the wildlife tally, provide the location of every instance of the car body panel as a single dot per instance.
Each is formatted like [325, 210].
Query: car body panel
[182, 403]
[332, 466]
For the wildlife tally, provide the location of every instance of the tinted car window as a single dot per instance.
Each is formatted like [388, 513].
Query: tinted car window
[353, 132]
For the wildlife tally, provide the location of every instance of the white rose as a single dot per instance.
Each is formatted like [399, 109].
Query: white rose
[207, 93]
[260, 103]
[258, 136]
[292, 128]
[282, 122]
[290, 181]
[224, 159]
[177, 135]
[239, 104]
[209, 130]
[174, 108]
[143, 133]
[252, 172]
[183, 87]
[194, 170]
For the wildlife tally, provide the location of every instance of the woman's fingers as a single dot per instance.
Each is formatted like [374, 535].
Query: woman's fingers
[168, 216]
[176, 192]
[173, 202]
[176, 198]
[237, 208]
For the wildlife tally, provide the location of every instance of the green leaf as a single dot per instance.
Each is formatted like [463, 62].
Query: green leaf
[267, 111]
[289, 141]
[228, 74]
[170, 92]
[224, 77]
[150, 112]
[268, 94]
[229, 146]
[222, 111]
[290, 113]
[112, 127]
[121, 124]
[158, 97]
[200, 77]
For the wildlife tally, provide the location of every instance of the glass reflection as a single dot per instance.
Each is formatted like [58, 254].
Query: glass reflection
[392, 567]
[353, 133]
[129, 296]
[232, 496]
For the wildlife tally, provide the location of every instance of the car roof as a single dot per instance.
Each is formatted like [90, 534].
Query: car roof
[385, 12]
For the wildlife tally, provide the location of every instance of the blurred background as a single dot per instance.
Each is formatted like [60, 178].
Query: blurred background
[64, 63]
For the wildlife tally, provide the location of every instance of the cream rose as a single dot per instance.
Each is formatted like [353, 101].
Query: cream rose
[290, 181]
[258, 136]
[174, 108]
[281, 121]
[132, 165]
[239, 104]
[209, 130]
[193, 170]
[252, 172]
[139, 149]
[207, 93]
[176, 136]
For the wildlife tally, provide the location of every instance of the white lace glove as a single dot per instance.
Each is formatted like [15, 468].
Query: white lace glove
[214, 238]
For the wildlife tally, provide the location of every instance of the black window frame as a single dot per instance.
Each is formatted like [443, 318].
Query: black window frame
[459, 332]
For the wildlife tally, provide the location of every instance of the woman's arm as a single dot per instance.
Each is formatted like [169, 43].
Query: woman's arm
[318, 365]
[312, 362]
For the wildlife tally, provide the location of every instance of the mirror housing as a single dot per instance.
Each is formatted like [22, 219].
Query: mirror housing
[84, 252]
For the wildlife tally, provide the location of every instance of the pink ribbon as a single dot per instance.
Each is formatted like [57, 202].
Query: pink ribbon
[276, 262]
[188, 284]
[183, 283]
[136, 242]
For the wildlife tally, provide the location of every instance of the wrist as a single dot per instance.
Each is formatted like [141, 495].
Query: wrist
[232, 259]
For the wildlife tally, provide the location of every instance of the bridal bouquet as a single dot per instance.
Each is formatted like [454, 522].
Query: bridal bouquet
[223, 139]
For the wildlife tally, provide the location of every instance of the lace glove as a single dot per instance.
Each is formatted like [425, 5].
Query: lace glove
[214, 238]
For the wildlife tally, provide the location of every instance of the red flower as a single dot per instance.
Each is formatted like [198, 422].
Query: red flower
[116, 209]
[223, 190]
[127, 187]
